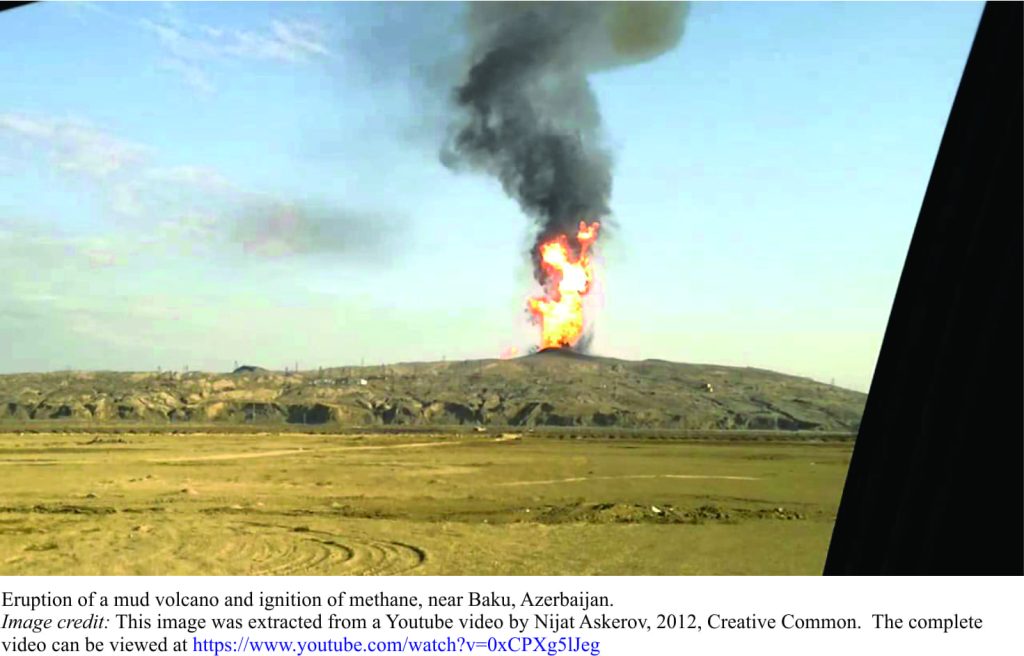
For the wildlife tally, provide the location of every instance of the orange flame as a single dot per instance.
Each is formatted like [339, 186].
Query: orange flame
[560, 310]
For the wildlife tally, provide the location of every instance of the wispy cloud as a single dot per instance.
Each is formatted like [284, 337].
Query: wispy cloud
[287, 41]
[73, 146]
[301, 37]
[180, 44]
[205, 177]
[135, 185]
[82, 9]
[189, 207]
[25, 248]
[190, 46]
[193, 75]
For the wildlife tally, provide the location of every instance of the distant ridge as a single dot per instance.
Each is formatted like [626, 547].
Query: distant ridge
[555, 387]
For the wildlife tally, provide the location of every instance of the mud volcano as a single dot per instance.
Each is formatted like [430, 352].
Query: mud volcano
[564, 352]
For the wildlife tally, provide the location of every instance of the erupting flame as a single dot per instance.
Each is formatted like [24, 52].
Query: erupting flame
[560, 310]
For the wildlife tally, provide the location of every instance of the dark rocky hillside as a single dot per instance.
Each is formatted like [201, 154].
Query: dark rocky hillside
[544, 389]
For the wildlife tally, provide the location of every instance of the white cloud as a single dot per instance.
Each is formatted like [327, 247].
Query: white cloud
[26, 126]
[74, 146]
[287, 41]
[84, 149]
[181, 45]
[126, 199]
[135, 189]
[81, 9]
[28, 250]
[189, 229]
[211, 31]
[193, 75]
[190, 45]
[188, 209]
[301, 36]
[196, 176]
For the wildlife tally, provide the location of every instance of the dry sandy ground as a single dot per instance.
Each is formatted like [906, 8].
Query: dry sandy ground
[373, 504]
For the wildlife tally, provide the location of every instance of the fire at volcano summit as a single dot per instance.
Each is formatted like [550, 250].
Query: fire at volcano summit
[527, 115]
[568, 279]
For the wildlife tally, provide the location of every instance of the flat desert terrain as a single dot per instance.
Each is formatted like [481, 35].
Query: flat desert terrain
[155, 503]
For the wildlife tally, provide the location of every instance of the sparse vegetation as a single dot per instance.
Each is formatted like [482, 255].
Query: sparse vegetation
[424, 503]
[549, 464]
[548, 389]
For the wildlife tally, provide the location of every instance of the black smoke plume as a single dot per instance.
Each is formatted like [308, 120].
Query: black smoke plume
[526, 112]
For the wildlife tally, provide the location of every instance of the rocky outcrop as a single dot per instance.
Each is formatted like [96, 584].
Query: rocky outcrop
[546, 389]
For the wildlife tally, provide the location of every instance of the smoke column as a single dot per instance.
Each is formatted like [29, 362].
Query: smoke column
[526, 112]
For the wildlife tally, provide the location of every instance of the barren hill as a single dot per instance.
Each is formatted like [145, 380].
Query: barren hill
[551, 388]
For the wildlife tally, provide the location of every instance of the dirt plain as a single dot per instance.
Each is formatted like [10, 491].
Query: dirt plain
[149, 501]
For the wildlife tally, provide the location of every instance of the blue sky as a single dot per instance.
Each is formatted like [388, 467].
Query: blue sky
[205, 183]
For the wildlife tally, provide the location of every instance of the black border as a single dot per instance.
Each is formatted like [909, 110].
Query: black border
[11, 5]
[935, 484]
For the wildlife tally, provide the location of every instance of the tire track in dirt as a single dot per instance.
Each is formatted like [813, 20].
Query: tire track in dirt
[299, 451]
[579, 479]
[282, 550]
[157, 543]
